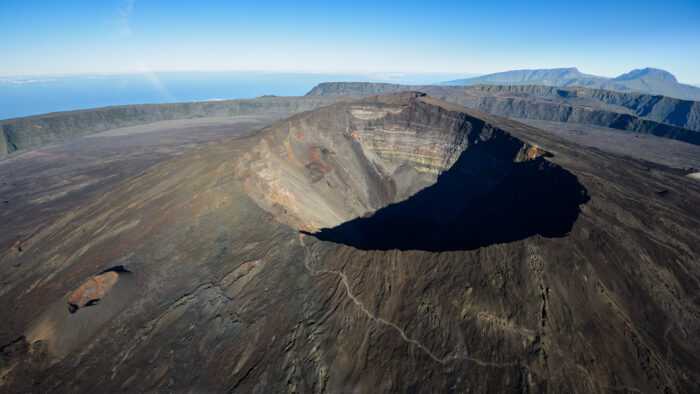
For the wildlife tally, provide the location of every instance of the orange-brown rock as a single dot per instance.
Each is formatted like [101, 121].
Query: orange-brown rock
[92, 290]
[19, 246]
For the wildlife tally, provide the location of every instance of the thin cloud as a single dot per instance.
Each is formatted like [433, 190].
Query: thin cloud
[24, 81]
[155, 81]
[126, 7]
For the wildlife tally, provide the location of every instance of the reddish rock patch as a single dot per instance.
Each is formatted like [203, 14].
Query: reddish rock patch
[317, 156]
[92, 290]
[19, 246]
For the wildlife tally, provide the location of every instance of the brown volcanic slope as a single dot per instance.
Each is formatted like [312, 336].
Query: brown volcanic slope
[39, 184]
[217, 289]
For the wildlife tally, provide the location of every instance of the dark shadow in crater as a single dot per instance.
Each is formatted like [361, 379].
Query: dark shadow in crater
[119, 269]
[484, 199]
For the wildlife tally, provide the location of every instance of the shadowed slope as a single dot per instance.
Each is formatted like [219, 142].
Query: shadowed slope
[484, 199]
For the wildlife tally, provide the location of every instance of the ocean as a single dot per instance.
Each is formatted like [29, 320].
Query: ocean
[32, 95]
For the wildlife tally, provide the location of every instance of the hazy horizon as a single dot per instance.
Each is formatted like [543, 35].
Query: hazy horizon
[38, 94]
[597, 37]
[381, 75]
[27, 95]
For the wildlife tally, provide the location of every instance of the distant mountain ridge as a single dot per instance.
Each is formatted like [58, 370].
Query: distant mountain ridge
[646, 80]
[21, 133]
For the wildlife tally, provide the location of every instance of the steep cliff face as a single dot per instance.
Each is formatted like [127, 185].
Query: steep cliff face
[4, 144]
[640, 113]
[31, 131]
[224, 293]
[677, 112]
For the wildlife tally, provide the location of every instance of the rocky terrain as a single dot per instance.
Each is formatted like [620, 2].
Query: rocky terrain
[338, 250]
[652, 150]
[39, 184]
[647, 80]
[681, 113]
[22, 133]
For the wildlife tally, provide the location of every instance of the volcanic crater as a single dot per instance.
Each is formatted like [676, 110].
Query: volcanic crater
[490, 195]
[398, 172]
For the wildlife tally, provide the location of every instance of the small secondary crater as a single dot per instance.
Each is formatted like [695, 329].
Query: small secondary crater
[95, 288]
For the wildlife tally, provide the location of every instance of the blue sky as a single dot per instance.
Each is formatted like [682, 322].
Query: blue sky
[599, 37]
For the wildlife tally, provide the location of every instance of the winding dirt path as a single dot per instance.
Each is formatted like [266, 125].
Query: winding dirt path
[445, 360]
